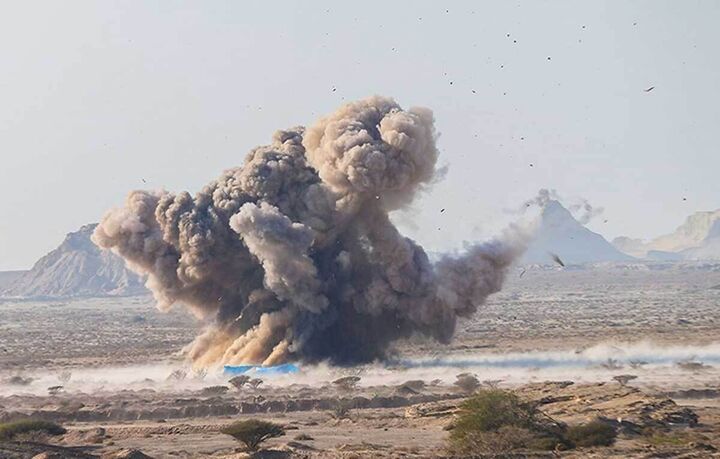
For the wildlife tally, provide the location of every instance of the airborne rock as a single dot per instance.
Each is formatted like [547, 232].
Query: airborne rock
[77, 268]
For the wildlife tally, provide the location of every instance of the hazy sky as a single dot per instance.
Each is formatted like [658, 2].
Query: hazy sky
[98, 98]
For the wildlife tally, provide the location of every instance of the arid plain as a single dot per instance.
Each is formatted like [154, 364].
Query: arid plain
[556, 336]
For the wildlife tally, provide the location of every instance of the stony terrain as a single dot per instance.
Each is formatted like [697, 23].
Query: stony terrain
[651, 425]
[576, 327]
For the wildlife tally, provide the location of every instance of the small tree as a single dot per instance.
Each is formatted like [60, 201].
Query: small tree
[496, 421]
[199, 373]
[253, 432]
[341, 410]
[238, 381]
[611, 364]
[177, 375]
[624, 379]
[54, 390]
[492, 383]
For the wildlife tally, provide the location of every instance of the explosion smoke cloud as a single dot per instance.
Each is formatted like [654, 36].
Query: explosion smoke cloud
[293, 256]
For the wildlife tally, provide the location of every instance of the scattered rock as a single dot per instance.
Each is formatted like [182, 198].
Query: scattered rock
[128, 454]
[80, 437]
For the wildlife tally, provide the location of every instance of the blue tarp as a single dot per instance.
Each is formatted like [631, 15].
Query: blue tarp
[283, 369]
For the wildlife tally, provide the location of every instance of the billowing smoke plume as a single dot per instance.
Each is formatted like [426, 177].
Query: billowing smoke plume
[293, 256]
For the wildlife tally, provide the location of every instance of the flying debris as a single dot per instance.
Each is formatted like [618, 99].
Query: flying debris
[522, 273]
[293, 257]
[649, 89]
[557, 259]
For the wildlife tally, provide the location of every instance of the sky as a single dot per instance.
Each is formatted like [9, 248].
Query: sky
[99, 98]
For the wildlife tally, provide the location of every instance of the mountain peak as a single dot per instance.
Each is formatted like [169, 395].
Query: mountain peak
[553, 209]
[558, 232]
[77, 267]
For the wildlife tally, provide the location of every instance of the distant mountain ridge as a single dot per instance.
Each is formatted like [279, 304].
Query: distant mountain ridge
[559, 233]
[76, 268]
[710, 247]
[696, 239]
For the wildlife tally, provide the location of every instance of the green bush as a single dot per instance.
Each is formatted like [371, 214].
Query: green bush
[8, 430]
[594, 433]
[253, 432]
[496, 421]
[493, 408]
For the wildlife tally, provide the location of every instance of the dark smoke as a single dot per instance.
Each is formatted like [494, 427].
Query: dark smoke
[293, 256]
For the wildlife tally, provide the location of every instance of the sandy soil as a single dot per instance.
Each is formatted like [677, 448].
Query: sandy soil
[657, 322]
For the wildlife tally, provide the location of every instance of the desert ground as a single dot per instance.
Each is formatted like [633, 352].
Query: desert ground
[554, 336]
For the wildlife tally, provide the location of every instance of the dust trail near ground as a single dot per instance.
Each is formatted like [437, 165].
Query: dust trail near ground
[655, 365]
[293, 255]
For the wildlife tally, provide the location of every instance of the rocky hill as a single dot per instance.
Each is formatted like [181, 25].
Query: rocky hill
[76, 268]
[558, 232]
[696, 239]
[8, 277]
[709, 249]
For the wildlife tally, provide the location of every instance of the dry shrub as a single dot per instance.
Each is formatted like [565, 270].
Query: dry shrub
[253, 432]
[624, 379]
[214, 390]
[347, 383]
[18, 380]
[13, 429]
[492, 383]
[594, 433]
[177, 375]
[341, 409]
[497, 442]
[238, 381]
[467, 382]
[611, 364]
[64, 376]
